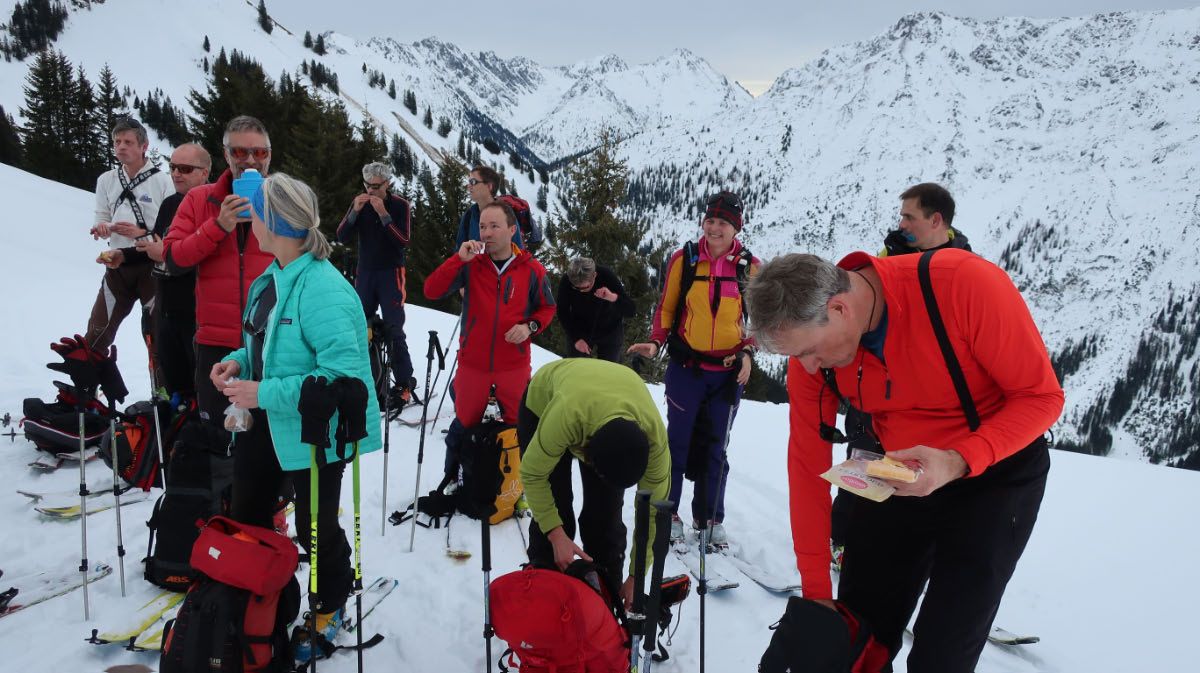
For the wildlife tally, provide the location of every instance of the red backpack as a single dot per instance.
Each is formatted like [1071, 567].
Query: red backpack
[235, 617]
[555, 623]
[531, 233]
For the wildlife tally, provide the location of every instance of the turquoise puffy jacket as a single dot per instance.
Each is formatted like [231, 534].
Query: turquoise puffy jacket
[317, 328]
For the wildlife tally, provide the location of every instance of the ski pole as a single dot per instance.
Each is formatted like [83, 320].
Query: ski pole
[352, 426]
[701, 493]
[438, 376]
[435, 347]
[83, 494]
[662, 523]
[486, 526]
[641, 536]
[312, 560]
[155, 384]
[449, 382]
[114, 455]
[385, 365]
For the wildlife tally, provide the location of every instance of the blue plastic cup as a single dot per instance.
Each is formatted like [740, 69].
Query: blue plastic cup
[246, 186]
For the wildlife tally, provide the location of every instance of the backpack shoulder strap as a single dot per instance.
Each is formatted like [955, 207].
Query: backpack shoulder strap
[939, 330]
[690, 258]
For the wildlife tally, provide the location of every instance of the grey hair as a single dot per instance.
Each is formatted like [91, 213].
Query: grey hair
[792, 291]
[377, 169]
[125, 124]
[295, 202]
[580, 270]
[205, 157]
[245, 123]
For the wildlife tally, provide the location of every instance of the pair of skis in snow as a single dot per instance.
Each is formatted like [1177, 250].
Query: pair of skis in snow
[142, 630]
[65, 504]
[38, 588]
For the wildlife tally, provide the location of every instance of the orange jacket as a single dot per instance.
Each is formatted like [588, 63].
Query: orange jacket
[911, 398]
[711, 322]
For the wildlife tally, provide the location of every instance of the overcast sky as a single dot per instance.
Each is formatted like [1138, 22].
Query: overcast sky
[751, 41]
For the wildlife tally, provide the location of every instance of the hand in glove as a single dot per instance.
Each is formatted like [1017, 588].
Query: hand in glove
[110, 377]
[352, 409]
[79, 363]
[318, 402]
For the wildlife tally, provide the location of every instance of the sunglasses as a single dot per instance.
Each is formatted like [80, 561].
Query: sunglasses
[184, 169]
[730, 201]
[474, 182]
[243, 153]
[374, 185]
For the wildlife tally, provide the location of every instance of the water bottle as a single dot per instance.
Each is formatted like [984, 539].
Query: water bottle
[247, 186]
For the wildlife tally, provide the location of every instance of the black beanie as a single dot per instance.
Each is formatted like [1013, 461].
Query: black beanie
[619, 452]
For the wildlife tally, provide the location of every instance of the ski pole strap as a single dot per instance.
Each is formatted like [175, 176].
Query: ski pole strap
[435, 346]
[943, 339]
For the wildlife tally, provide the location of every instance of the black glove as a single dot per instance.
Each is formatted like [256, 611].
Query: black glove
[318, 401]
[352, 409]
[110, 377]
[896, 243]
[78, 363]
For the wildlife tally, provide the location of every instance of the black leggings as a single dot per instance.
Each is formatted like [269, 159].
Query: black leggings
[964, 539]
[257, 482]
[600, 527]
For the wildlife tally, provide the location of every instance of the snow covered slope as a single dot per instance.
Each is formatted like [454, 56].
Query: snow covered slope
[1106, 581]
[1069, 145]
[556, 111]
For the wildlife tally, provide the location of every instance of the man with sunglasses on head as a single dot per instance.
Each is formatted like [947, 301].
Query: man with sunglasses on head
[175, 288]
[211, 233]
[127, 201]
[383, 224]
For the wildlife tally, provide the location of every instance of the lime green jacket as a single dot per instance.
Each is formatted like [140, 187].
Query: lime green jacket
[572, 398]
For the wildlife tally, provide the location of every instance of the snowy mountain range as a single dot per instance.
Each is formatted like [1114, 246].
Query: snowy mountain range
[1070, 147]
[1068, 144]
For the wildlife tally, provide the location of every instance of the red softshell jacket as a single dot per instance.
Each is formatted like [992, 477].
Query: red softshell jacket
[910, 395]
[493, 302]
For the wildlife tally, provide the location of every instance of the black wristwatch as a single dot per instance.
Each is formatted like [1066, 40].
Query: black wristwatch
[533, 326]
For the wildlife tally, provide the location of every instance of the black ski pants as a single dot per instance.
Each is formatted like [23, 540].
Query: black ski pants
[964, 540]
[210, 402]
[173, 345]
[600, 526]
[609, 346]
[257, 482]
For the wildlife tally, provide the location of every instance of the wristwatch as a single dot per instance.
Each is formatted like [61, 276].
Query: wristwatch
[533, 326]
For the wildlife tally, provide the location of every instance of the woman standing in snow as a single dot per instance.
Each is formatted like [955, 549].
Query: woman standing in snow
[302, 319]
[700, 321]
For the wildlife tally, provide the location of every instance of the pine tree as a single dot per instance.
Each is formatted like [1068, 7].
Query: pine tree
[392, 89]
[308, 41]
[543, 194]
[319, 45]
[47, 86]
[410, 101]
[10, 142]
[236, 85]
[110, 106]
[88, 142]
[587, 223]
[264, 19]
[207, 45]
[441, 202]
[428, 120]
[443, 128]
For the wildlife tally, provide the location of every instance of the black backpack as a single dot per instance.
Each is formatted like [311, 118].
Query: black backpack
[491, 472]
[54, 426]
[199, 477]
[223, 629]
[811, 637]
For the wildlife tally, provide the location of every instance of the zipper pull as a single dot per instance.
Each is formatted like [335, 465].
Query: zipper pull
[887, 389]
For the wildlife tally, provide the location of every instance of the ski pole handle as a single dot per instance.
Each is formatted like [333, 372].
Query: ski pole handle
[641, 539]
[435, 346]
[662, 523]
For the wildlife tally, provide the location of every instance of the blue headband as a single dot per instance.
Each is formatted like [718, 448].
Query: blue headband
[276, 225]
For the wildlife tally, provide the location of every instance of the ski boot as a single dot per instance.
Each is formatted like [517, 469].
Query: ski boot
[328, 625]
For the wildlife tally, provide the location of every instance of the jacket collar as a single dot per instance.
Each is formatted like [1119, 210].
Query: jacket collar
[887, 278]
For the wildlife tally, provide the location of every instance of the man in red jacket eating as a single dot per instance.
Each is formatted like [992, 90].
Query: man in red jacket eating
[862, 331]
[506, 300]
[208, 234]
